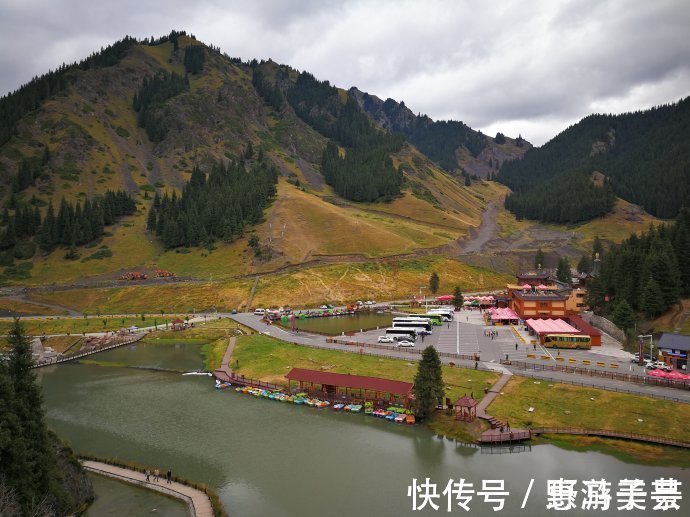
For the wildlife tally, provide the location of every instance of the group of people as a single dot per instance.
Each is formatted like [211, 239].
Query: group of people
[156, 476]
[491, 333]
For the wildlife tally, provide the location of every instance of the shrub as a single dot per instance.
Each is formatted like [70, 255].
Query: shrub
[24, 250]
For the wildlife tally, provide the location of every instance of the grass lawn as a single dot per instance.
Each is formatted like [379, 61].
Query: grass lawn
[572, 406]
[172, 298]
[66, 325]
[22, 307]
[267, 359]
[394, 279]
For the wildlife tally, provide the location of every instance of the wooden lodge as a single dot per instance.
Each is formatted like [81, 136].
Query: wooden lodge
[339, 386]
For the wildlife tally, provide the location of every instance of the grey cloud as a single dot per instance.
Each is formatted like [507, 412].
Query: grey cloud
[539, 66]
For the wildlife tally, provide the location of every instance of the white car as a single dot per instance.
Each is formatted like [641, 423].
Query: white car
[405, 343]
[259, 312]
[324, 307]
[386, 339]
[369, 302]
[662, 366]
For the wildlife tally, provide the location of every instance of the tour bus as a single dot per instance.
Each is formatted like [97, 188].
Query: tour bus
[413, 323]
[400, 333]
[567, 341]
[436, 319]
[447, 314]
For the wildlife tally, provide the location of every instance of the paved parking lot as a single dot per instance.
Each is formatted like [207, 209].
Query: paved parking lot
[468, 335]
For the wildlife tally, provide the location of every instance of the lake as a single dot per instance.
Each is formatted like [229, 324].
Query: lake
[267, 458]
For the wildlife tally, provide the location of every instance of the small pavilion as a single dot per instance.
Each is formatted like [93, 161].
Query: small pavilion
[466, 408]
[178, 324]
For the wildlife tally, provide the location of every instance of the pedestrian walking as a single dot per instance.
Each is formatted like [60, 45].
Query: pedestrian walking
[449, 324]
[156, 475]
[147, 473]
[506, 357]
[515, 346]
[168, 477]
[534, 345]
[476, 365]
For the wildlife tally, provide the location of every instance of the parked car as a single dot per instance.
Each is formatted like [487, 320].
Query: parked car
[369, 302]
[259, 312]
[329, 306]
[636, 358]
[423, 332]
[660, 365]
[234, 311]
[405, 343]
[324, 307]
[386, 339]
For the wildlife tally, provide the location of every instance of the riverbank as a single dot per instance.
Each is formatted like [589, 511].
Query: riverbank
[267, 359]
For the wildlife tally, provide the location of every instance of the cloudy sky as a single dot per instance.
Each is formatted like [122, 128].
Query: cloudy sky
[529, 67]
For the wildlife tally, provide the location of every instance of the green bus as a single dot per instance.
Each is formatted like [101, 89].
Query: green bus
[577, 341]
[436, 319]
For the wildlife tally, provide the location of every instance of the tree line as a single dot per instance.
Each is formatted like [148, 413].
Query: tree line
[73, 225]
[217, 206]
[566, 199]
[194, 58]
[645, 156]
[148, 101]
[439, 140]
[364, 171]
[646, 273]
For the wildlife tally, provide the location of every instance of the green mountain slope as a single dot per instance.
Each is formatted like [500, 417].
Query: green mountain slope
[144, 118]
[644, 155]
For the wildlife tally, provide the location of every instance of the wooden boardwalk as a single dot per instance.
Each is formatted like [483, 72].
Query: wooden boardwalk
[612, 434]
[197, 501]
[224, 373]
[65, 359]
[499, 433]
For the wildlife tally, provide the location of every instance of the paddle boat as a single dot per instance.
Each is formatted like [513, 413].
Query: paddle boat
[222, 385]
[355, 408]
[338, 407]
[400, 418]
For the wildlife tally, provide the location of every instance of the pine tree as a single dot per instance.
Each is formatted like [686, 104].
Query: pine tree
[651, 299]
[597, 248]
[539, 259]
[428, 383]
[434, 282]
[563, 271]
[584, 265]
[40, 478]
[623, 315]
[458, 299]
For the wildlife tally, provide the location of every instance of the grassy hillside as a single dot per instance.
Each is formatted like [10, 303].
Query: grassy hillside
[95, 144]
[338, 283]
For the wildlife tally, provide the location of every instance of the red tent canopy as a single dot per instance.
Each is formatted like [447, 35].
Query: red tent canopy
[444, 298]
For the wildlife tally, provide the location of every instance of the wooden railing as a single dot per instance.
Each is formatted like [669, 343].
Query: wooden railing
[74, 357]
[618, 376]
[611, 434]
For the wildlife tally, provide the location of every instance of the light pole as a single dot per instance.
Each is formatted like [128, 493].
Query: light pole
[642, 337]
[420, 295]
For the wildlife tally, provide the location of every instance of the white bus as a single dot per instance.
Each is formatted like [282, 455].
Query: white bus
[400, 333]
[418, 323]
[447, 314]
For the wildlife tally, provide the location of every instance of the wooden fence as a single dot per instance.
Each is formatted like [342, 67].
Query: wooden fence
[612, 434]
[618, 376]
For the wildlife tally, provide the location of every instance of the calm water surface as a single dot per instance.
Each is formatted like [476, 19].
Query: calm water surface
[351, 323]
[116, 499]
[272, 459]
